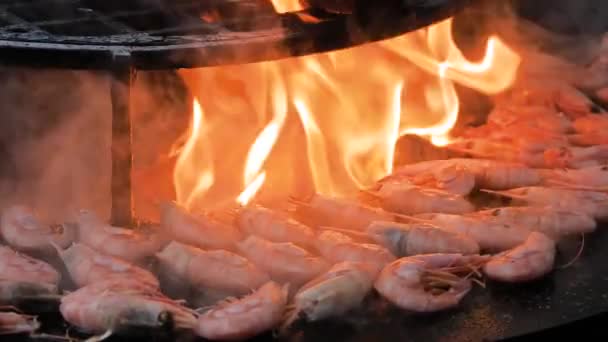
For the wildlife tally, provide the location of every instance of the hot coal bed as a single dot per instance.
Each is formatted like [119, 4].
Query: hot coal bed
[122, 38]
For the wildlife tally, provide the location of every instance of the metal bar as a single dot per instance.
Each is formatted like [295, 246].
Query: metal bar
[122, 153]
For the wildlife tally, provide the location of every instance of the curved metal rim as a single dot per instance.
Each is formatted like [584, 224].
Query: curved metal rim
[296, 38]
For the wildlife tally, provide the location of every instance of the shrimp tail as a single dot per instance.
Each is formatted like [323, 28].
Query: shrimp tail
[100, 338]
[578, 254]
[292, 314]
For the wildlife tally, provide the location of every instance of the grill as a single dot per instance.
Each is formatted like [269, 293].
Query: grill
[124, 36]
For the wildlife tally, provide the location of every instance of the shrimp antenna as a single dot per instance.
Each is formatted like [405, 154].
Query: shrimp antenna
[569, 186]
[504, 193]
[51, 337]
[578, 254]
[410, 218]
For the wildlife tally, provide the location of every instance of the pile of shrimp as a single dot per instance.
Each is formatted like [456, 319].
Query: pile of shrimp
[418, 238]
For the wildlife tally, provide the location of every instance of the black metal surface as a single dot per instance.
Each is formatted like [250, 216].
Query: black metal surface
[172, 34]
[499, 312]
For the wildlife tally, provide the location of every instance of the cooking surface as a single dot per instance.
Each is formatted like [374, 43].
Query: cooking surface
[170, 34]
[500, 311]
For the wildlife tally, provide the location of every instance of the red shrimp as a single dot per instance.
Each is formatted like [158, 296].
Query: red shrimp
[591, 123]
[535, 116]
[23, 231]
[337, 247]
[87, 266]
[285, 262]
[419, 238]
[490, 236]
[340, 212]
[112, 305]
[418, 283]
[274, 226]
[591, 203]
[245, 318]
[552, 222]
[489, 174]
[220, 271]
[13, 323]
[531, 260]
[575, 157]
[127, 244]
[410, 200]
[13, 292]
[589, 138]
[454, 179]
[201, 231]
[19, 267]
[339, 290]
[595, 177]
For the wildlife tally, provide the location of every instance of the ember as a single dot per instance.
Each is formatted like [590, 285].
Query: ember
[291, 208]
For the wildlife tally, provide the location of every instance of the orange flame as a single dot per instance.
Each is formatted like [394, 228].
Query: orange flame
[283, 6]
[335, 118]
[193, 174]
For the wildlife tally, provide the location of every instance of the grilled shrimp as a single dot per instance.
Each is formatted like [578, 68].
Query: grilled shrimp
[410, 200]
[200, 231]
[127, 244]
[591, 123]
[337, 291]
[531, 260]
[541, 117]
[575, 157]
[274, 226]
[490, 236]
[87, 266]
[552, 222]
[247, 317]
[14, 323]
[426, 283]
[337, 247]
[589, 138]
[455, 179]
[285, 262]
[116, 304]
[219, 271]
[19, 267]
[22, 230]
[589, 177]
[499, 150]
[413, 239]
[591, 203]
[489, 174]
[340, 212]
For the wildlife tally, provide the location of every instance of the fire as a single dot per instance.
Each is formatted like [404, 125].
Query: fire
[329, 122]
[283, 6]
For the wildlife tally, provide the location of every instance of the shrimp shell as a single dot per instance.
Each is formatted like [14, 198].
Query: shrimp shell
[339, 290]
[400, 283]
[411, 200]
[412, 239]
[19, 267]
[531, 260]
[87, 266]
[105, 306]
[246, 317]
[14, 323]
[552, 222]
[337, 247]
[285, 262]
[127, 244]
[200, 231]
[22, 230]
[216, 269]
[591, 177]
[592, 203]
[274, 226]
[490, 236]
[341, 212]
[12, 290]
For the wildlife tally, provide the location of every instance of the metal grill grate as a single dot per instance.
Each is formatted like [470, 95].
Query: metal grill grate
[186, 33]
